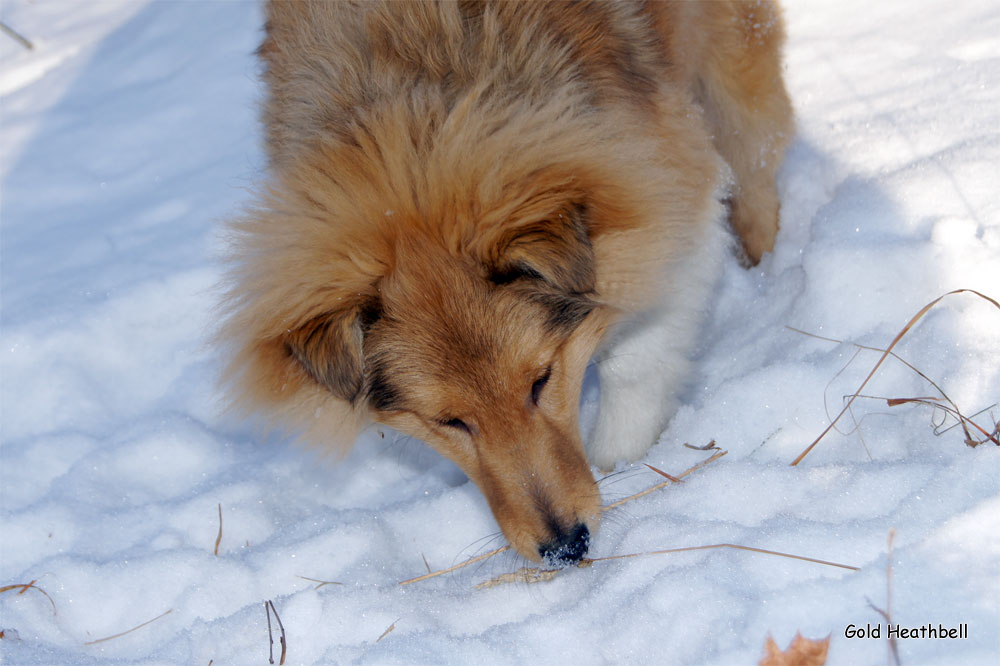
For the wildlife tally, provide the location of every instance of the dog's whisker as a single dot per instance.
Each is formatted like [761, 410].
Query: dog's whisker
[484, 545]
[622, 475]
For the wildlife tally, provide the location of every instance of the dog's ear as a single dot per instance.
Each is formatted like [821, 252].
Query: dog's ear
[556, 250]
[329, 347]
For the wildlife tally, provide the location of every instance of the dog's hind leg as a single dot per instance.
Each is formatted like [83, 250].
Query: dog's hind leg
[728, 54]
[740, 86]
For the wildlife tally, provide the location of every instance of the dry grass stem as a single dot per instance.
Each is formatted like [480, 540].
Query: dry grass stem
[319, 583]
[218, 539]
[269, 608]
[139, 626]
[885, 354]
[524, 575]
[16, 36]
[951, 408]
[533, 575]
[388, 631]
[497, 551]
[466, 563]
[678, 477]
[887, 613]
[723, 545]
[24, 587]
[663, 474]
[711, 446]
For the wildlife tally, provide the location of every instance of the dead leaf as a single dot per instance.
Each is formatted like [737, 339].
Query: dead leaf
[802, 652]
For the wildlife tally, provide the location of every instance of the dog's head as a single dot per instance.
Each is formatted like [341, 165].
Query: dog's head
[481, 353]
[450, 273]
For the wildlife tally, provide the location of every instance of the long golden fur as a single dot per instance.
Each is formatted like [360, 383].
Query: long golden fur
[469, 200]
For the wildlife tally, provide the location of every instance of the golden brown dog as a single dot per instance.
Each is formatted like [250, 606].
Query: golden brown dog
[470, 201]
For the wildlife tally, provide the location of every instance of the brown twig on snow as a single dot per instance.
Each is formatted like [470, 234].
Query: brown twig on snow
[502, 549]
[218, 539]
[885, 355]
[138, 626]
[723, 545]
[665, 483]
[16, 36]
[388, 631]
[537, 575]
[319, 583]
[887, 613]
[711, 446]
[466, 563]
[960, 418]
[269, 608]
[662, 473]
[24, 587]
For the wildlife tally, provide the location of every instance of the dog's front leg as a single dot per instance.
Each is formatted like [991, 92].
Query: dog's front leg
[641, 370]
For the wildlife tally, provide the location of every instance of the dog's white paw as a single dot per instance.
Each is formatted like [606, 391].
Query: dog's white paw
[626, 427]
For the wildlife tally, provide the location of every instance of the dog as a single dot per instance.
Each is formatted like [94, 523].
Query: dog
[469, 202]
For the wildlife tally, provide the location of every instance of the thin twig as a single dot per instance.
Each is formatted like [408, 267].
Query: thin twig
[319, 583]
[24, 587]
[961, 419]
[18, 37]
[662, 473]
[218, 539]
[387, 631]
[532, 575]
[502, 549]
[270, 635]
[885, 354]
[587, 561]
[269, 608]
[466, 563]
[108, 638]
[887, 613]
[952, 410]
[665, 483]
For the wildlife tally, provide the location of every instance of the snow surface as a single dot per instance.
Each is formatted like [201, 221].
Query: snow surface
[129, 132]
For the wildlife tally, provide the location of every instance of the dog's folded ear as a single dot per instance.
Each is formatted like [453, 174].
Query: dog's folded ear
[329, 347]
[556, 249]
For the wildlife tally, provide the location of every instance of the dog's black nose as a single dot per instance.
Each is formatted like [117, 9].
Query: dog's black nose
[567, 547]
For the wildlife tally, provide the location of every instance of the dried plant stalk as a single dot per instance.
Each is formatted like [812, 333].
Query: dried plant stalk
[523, 575]
[388, 631]
[899, 336]
[138, 626]
[537, 575]
[675, 479]
[24, 587]
[319, 583]
[16, 36]
[218, 539]
[497, 551]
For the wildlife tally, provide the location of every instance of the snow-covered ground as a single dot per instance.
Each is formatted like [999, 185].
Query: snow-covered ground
[129, 132]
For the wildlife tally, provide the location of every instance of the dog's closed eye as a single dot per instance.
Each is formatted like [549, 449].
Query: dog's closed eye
[536, 388]
[457, 424]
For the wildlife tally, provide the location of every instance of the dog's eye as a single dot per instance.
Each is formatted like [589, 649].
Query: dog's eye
[457, 424]
[536, 388]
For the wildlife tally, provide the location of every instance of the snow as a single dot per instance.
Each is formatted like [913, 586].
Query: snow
[129, 132]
